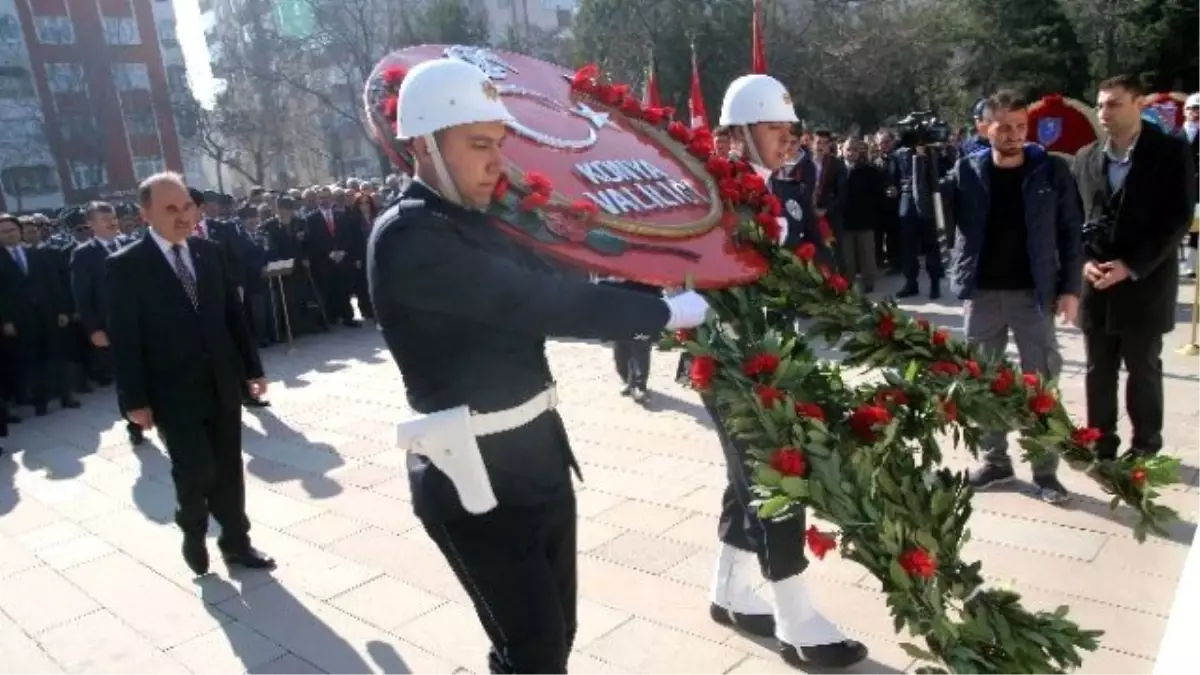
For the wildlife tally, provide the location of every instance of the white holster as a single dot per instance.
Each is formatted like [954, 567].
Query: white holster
[448, 439]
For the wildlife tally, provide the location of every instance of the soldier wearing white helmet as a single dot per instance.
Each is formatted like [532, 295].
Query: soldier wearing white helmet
[465, 311]
[759, 114]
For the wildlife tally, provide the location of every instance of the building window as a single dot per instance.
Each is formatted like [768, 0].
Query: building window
[77, 126]
[10, 30]
[15, 83]
[55, 30]
[166, 34]
[64, 78]
[144, 167]
[139, 121]
[88, 175]
[177, 80]
[131, 76]
[121, 30]
[28, 181]
[564, 18]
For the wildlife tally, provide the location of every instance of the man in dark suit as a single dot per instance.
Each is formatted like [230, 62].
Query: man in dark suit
[1191, 133]
[331, 241]
[1138, 188]
[183, 352]
[36, 309]
[91, 293]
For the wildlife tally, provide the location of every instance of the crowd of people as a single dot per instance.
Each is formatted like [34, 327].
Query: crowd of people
[54, 299]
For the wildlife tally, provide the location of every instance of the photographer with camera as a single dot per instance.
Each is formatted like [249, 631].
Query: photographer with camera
[1139, 189]
[918, 221]
[1017, 257]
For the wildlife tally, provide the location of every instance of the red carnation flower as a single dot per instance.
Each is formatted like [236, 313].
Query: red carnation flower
[702, 372]
[654, 115]
[585, 209]
[825, 230]
[1086, 437]
[586, 74]
[1042, 403]
[1002, 383]
[769, 225]
[838, 284]
[819, 542]
[389, 108]
[1138, 477]
[685, 335]
[754, 183]
[949, 408]
[632, 107]
[771, 205]
[894, 395]
[789, 462]
[760, 364]
[1031, 380]
[767, 395]
[918, 563]
[719, 167]
[810, 410]
[501, 187]
[886, 328]
[730, 190]
[825, 271]
[534, 200]
[923, 323]
[866, 419]
[806, 251]
[973, 368]
[944, 368]
[678, 131]
[940, 337]
[393, 76]
[538, 182]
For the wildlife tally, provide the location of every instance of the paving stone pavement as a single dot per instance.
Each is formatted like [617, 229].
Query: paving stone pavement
[91, 579]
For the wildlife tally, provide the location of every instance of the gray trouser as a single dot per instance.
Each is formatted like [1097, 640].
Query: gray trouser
[858, 252]
[988, 316]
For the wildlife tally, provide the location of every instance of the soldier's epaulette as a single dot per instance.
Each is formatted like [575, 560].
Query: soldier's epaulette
[411, 203]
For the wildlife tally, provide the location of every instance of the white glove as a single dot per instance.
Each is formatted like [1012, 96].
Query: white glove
[688, 310]
[783, 230]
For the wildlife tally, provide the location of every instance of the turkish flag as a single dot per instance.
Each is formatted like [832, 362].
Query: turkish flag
[696, 99]
[758, 59]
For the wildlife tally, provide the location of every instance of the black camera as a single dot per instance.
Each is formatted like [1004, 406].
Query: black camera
[922, 128]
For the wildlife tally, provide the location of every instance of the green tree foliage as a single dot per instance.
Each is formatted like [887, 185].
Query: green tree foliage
[453, 22]
[1027, 44]
[1156, 40]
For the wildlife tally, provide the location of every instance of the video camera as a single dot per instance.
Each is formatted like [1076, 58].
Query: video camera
[921, 128]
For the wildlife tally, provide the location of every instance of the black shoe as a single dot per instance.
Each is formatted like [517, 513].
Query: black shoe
[836, 655]
[12, 419]
[760, 625]
[639, 395]
[195, 554]
[991, 475]
[250, 558]
[351, 323]
[935, 290]
[71, 403]
[908, 291]
[136, 435]
[626, 390]
[1050, 490]
[255, 402]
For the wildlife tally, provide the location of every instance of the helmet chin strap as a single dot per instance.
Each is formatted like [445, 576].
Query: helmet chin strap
[751, 148]
[445, 182]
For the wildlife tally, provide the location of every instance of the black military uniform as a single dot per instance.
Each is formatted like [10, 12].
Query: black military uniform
[465, 311]
[631, 356]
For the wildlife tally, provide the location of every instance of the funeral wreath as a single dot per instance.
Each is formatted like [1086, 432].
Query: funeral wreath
[865, 457]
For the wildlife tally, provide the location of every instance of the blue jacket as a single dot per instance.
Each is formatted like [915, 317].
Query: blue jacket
[973, 145]
[1053, 219]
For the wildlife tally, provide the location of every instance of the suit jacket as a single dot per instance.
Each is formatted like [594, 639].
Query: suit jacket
[37, 295]
[1194, 144]
[87, 285]
[319, 242]
[1148, 224]
[175, 359]
[830, 195]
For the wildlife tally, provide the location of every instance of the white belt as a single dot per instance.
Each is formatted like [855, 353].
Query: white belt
[487, 424]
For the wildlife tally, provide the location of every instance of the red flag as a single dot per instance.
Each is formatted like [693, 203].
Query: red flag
[758, 62]
[696, 100]
[650, 97]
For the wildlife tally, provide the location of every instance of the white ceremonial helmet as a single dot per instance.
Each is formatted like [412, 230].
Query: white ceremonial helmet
[444, 93]
[752, 99]
[438, 95]
[1193, 101]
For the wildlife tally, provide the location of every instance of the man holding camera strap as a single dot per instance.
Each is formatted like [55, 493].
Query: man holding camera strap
[1017, 253]
[1139, 189]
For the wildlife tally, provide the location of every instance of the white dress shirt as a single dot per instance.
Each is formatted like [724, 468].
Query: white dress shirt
[165, 247]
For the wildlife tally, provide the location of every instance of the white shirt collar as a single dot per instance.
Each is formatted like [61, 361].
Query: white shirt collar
[164, 245]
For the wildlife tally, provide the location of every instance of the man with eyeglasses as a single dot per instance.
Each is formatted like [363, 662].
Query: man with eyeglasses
[1191, 133]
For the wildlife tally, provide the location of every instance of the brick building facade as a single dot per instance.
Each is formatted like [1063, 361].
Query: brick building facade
[91, 93]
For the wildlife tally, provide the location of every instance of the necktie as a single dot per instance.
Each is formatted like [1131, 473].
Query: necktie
[185, 275]
[18, 255]
[329, 224]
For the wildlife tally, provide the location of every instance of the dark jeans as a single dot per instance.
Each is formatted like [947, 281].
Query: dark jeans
[919, 237]
[632, 360]
[887, 239]
[258, 308]
[1142, 355]
[518, 565]
[987, 319]
[779, 544]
